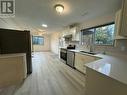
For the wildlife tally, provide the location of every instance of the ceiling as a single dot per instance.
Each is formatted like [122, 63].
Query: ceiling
[31, 14]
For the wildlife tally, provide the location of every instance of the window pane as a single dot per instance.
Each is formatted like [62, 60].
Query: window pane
[38, 40]
[104, 35]
[87, 36]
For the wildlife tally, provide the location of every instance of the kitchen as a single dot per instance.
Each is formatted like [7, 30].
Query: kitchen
[79, 48]
[81, 51]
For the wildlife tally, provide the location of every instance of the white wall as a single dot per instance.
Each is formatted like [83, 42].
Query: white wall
[97, 21]
[45, 47]
[55, 42]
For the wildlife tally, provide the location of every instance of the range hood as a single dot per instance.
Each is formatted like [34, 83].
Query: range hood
[68, 36]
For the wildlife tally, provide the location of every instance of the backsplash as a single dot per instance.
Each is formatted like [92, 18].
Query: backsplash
[120, 47]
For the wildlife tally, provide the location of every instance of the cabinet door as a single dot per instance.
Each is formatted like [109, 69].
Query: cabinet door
[124, 19]
[65, 32]
[75, 34]
[88, 59]
[117, 22]
[81, 60]
[118, 26]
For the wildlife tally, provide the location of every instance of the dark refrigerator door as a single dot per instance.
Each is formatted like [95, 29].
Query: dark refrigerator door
[13, 42]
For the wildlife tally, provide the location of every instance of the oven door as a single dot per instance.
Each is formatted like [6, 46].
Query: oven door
[63, 55]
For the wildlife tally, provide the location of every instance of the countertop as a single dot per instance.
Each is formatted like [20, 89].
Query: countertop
[12, 55]
[114, 67]
[111, 66]
[78, 51]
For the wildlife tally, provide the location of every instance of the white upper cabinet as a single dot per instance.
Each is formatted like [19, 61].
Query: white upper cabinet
[65, 32]
[118, 25]
[123, 26]
[75, 33]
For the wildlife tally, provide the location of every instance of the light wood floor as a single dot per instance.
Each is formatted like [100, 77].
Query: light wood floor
[50, 77]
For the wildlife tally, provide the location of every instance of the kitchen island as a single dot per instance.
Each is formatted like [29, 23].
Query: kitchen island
[107, 76]
[12, 69]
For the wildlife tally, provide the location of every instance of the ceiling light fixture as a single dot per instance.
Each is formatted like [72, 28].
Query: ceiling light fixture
[59, 8]
[44, 25]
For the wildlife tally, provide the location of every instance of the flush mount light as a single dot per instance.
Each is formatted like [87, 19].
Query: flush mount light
[59, 8]
[44, 25]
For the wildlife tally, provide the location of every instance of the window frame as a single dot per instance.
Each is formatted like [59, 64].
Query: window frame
[95, 31]
[39, 37]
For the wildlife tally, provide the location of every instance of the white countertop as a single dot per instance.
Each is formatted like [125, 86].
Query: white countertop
[12, 55]
[114, 67]
[78, 51]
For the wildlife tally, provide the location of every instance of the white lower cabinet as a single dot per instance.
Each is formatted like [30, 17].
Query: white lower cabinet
[81, 60]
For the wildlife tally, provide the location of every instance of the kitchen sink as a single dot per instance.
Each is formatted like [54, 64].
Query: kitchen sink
[93, 53]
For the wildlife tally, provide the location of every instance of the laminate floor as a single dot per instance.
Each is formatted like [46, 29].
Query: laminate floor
[50, 77]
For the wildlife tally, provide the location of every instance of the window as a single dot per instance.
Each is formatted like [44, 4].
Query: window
[38, 40]
[100, 35]
[87, 37]
[104, 35]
